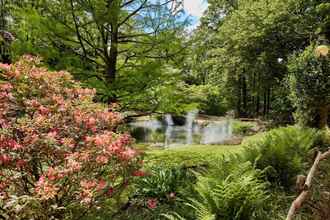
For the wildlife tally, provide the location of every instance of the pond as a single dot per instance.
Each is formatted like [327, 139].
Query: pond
[193, 130]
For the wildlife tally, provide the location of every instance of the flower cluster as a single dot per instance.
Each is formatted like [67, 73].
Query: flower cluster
[56, 144]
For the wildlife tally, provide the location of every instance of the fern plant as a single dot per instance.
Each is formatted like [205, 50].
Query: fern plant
[283, 151]
[240, 195]
[231, 190]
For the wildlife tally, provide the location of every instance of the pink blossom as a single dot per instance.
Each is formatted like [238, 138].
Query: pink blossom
[40, 119]
[84, 156]
[98, 141]
[102, 159]
[91, 122]
[14, 145]
[3, 185]
[52, 135]
[101, 184]
[139, 173]
[86, 197]
[89, 139]
[129, 153]
[36, 73]
[172, 195]
[41, 180]
[88, 184]
[152, 203]
[4, 66]
[14, 73]
[110, 191]
[20, 163]
[58, 99]
[73, 166]
[69, 142]
[45, 189]
[114, 148]
[5, 159]
[6, 87]
[43, 110]
[34, 103]
[52, 174]
[78, 116]
[31, 139]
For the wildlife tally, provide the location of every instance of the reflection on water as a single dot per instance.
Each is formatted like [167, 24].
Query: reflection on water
[166, 133]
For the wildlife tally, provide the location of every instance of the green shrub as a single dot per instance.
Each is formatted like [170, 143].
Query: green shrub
[161, 181]
[310, 85]
[323, 140]
[283, 151]
[237, 192]
[158, 191]
[242, 128]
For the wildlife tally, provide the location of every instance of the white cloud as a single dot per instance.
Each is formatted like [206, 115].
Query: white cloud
[195, 7]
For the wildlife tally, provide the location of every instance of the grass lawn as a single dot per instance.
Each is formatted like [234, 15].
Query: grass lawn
[192, 155]
[189, 155]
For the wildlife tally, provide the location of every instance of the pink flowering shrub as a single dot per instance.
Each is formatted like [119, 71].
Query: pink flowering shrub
[60, 156]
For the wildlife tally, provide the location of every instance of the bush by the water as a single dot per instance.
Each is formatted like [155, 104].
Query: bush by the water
[60, 155]
[243, 128]
[282, 152]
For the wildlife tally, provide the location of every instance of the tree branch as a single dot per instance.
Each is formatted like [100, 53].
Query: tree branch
[127, 3]
[133, 13]
[77, 28]
[303, 196]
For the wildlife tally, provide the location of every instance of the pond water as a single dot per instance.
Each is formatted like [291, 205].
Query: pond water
[165, 132]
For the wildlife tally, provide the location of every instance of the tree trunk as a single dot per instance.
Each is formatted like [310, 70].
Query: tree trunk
[258, 94]
[265, 102]
[113, 54]
[324, 113]
[258, 104]
[244, 93]
[238, 104]
[268, 100]
[253, 95]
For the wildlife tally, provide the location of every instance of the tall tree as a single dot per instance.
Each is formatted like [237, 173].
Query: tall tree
[6, 37]
[248, 46]
[111, 33]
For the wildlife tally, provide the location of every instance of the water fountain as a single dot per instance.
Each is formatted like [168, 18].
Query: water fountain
[190, 118]
[217, 132]
[169, 134]
[169, 129]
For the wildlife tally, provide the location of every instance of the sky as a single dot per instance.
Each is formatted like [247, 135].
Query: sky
[195, 9]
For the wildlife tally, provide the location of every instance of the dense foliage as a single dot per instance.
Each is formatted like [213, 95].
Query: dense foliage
[64, 150]
[310, 85]
[60, 154]
[139, 53]
[244, 52]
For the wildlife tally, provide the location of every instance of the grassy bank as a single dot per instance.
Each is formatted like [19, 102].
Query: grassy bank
[190, 155]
